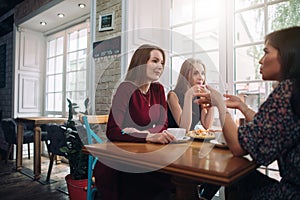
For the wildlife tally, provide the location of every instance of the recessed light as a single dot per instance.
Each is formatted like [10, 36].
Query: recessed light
[61, 15]
[81, 5]
[43, 23]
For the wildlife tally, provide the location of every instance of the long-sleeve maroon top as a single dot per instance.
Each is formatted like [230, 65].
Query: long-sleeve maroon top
[133, 109]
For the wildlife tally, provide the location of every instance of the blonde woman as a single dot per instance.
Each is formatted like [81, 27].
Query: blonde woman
[182, 111]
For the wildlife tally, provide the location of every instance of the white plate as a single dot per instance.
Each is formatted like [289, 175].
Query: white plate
[218, 144]
[181, 140]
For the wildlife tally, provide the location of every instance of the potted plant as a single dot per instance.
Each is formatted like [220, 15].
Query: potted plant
[78, 161]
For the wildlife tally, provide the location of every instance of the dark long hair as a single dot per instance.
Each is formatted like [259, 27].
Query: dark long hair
[287, 42]
[137, 68]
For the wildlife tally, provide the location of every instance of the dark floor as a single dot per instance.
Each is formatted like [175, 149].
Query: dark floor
[15, 185]
[18, 186]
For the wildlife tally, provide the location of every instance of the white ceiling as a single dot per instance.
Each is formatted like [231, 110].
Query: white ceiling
[69, 8]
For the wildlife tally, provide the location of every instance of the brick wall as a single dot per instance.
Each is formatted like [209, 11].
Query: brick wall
[27, 7]
[107, 69]
[6, 100]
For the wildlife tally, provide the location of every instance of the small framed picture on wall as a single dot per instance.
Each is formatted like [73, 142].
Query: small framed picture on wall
[106, 22]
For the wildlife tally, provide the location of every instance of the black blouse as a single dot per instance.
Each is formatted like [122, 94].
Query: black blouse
[196, 114]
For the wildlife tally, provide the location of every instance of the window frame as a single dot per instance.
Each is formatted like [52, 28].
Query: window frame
[64, 33]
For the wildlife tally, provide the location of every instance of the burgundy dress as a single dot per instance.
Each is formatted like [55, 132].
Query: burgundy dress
[131, 108]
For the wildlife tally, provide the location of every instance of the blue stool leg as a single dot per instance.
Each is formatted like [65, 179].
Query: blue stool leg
[90, 175]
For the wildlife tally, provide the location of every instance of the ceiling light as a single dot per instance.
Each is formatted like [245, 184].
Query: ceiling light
[81, 5]
[43, 23]
[61, 15]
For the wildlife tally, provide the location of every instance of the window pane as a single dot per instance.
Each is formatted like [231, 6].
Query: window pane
[51, 48]
[176, 65]
[182, 11]
[182, 39]
[207, 34]
[249, 26]
[247, 66]
[73, 41]
[82, 39]
[50, 101]
[82, 60]
[207, 9]
[72, 62]
[58, 102]
[71, 81]
[282, 15]
[50, 84]
[59, 64]
[58, 83]
[82, 54]
[59, 46]
[81, 77]
[246, 3]
[50, 67]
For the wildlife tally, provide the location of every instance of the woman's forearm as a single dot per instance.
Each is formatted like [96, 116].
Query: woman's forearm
[207, 117]
[186, 115]
[230, 132]
[247, 112]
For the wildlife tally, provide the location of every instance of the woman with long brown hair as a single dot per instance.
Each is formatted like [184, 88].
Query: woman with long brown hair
[138, 114]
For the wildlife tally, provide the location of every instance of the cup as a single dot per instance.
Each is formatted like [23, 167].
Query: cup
[178, 133]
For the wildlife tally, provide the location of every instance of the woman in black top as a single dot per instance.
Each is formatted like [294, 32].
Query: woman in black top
[182, 111]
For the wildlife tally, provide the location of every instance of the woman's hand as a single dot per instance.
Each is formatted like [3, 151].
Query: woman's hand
[233, 101]
[162, 138]
[193, 90]
[236, 103]
[210, 96]
[129, 130]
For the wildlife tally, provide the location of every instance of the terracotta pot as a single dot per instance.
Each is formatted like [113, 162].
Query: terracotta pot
[77, 188]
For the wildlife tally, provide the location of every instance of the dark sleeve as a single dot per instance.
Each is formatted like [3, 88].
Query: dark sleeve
[272, 130]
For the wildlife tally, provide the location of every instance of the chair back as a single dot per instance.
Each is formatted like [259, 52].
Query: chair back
[87, 120]
[9, 127]
[56, 136]
[93, 119]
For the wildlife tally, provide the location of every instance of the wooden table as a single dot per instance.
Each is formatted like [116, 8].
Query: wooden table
[37, 121]
[194, 160]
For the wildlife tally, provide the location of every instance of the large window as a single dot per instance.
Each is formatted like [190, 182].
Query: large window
[66, 73]
[196, 33]
[253, 19]
[229, 37]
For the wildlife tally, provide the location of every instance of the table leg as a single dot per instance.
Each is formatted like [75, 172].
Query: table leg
[19, 146]
[37, 152]
[185, 188]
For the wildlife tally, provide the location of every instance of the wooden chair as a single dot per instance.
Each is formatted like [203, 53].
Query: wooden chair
[57, 140]
[91, 136]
